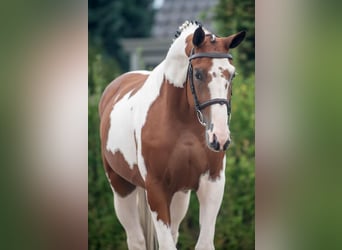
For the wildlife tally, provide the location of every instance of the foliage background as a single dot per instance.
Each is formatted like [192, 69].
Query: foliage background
[235, 223]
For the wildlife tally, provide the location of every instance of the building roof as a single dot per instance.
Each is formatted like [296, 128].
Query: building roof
[173, 13]
[148, 52]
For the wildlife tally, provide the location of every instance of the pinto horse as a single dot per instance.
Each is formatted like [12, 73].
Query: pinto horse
[164, 132]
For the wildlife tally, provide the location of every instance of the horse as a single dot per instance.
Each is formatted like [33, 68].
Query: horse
[164, 133]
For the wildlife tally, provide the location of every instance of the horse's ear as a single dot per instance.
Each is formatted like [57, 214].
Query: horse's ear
[234, 40]
[198, 37]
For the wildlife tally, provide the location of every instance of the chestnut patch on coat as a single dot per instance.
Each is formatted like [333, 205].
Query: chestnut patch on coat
[119, 88]
[174, 149]
[122, 178]
[224, 73]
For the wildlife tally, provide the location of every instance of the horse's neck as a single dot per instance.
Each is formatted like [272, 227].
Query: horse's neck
[176, 102]
[177, 59]
[175, 72]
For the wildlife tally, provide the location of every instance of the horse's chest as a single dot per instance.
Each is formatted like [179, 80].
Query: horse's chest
[178, 161]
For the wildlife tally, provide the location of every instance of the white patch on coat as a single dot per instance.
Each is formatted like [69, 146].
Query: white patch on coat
[142, 72]
[210, 195]
[121, 130]
[164, 235]
[124, 121]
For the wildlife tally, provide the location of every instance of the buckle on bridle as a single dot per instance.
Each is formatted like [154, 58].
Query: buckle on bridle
[200, 117]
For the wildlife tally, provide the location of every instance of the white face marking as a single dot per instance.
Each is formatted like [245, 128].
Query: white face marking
[218, 88]
[124, 121]
[217, 85]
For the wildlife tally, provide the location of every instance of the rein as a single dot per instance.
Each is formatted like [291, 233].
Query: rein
[200, 106]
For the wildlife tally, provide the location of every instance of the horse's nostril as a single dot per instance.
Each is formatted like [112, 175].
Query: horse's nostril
[225, 146]
[215, 144]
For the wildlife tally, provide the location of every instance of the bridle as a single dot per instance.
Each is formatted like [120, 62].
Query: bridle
[200, 106]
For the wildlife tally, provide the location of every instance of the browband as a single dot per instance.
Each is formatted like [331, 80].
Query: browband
[211, 55]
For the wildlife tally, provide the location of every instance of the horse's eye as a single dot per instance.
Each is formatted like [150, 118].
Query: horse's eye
[198, 75]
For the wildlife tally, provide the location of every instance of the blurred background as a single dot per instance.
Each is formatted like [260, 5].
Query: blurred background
[128, 35]
[44, 130]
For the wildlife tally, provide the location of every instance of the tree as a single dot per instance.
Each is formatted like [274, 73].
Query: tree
[232, 16]
[111, 20]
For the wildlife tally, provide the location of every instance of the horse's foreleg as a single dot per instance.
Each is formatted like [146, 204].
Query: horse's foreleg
[159, 203]
[179, 206]
[210, 194]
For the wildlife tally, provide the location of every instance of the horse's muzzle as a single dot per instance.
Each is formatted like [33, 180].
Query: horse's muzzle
[216, 146]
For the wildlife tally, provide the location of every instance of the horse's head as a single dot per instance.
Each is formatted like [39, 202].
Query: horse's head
[209, 85]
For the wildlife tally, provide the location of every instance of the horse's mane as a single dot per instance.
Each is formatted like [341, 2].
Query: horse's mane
[185, 25]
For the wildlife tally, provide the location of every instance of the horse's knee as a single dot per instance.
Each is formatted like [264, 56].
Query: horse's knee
[175, 235]
[135, 242]
[208, 246]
